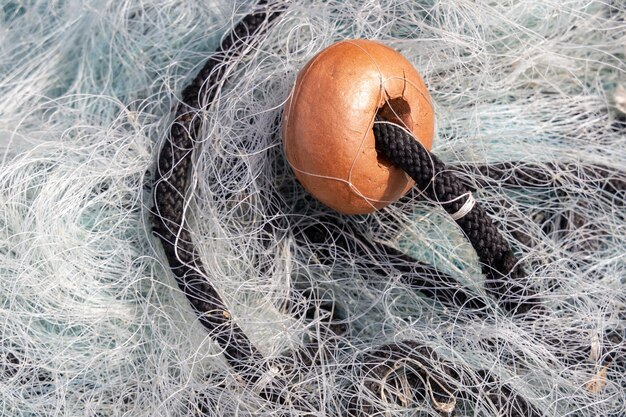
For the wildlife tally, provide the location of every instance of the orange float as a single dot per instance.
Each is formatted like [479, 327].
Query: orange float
[327, 124]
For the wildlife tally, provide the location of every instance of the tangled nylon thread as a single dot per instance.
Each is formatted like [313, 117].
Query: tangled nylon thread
[92, 323]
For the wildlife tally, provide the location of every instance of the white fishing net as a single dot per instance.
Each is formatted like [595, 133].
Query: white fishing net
[93, 323]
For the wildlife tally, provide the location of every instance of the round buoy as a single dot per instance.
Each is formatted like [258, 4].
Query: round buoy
[327, 124]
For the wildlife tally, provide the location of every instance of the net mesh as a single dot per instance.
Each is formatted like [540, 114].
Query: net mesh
[93, 322]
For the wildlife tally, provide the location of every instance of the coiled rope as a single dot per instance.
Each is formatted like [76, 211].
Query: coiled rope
[505, 275]
[172, 187]
[506, 280]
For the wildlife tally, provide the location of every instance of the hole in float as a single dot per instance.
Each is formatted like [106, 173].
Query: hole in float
[396, 110]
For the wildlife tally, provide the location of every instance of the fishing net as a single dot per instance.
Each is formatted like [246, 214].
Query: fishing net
[384, 314]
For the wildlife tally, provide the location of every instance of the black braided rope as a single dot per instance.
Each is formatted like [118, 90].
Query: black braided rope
[432, 378]
[596, 177]
[172, 186]
[171, 191]
[383, 260]
[506, 279]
